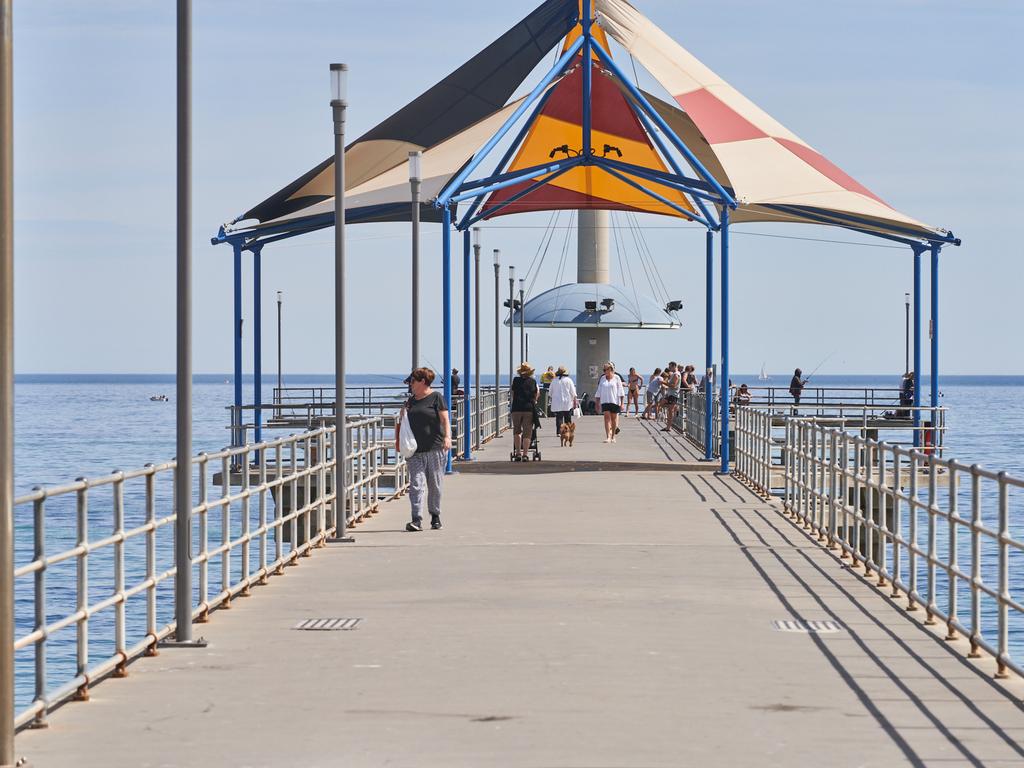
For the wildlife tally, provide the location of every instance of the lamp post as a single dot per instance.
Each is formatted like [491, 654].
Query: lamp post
[497, 339]
[476, 329]
[339, 103]
[906, 357]
[522, 319]
[6, 389]
[415, 179]
[280, 384]
[511, 317]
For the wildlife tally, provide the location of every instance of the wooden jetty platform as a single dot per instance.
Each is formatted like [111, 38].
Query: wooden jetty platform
[651, 616]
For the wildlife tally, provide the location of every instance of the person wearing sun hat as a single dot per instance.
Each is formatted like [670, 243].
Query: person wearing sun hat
[563, 397]
[525, 394]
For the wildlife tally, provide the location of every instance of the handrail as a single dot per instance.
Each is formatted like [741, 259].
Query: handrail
[895, 511]
[257, 510]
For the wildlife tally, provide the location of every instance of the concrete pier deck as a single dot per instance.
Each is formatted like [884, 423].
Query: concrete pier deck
[578, 619]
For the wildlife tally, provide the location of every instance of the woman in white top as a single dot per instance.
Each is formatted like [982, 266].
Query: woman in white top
[562, 393]
[609, 398]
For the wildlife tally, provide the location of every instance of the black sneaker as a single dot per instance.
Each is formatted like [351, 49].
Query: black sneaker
[413, 527]
[435, 522]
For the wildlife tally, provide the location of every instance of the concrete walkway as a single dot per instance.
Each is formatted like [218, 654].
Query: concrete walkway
[574, 619]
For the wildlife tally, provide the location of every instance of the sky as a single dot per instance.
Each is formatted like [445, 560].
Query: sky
[920, 100]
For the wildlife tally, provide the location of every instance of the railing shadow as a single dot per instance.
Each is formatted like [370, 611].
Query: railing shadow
[765, 554]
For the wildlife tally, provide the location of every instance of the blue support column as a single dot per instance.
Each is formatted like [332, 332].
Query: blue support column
[709, 352]
[236, 435]
[724, 375]
[935, 340]
[467, 338]
[257, 337]
[446, 240]
[917, 346]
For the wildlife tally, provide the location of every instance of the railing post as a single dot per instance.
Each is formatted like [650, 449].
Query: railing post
[1004, 578]
[954, 558]
[932, 607]
[39, 555]
[912, 504]
[82, 590]
[976, 580]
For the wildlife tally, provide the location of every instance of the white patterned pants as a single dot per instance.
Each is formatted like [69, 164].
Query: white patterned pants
[426, 471]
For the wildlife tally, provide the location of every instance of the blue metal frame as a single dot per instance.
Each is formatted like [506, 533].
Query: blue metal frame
[455, 184]
[652, 194]
[860, 224]
[693, 187]
[724, 385]
[510, 180]
[467, 371]
[236, 434]
[446, 267]
[679, 144]
[257, 337]
[917, 344]
[709, 352]
[517, 196]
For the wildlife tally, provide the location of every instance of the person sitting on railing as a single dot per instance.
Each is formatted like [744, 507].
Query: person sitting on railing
[428, 419]
[743, 396]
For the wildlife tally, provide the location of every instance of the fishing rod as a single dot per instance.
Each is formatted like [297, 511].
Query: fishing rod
[830, 356]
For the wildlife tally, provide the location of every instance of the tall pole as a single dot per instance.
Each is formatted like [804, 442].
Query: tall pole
[339, 103]
[497, 339]
[236, 433]
[906, 335]
[709, 352]
[468, 420]
[935, 342]
[724, 384]
[415, 180]
[280, 386]
[183, 473]
[522, 320]
[446, 300]
[917, 346]
[511, 325]
[257, 339]
[6, 388]
[476, 328]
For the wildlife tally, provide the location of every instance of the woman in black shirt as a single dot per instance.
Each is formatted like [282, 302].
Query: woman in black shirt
[525, 393]
[428, 419]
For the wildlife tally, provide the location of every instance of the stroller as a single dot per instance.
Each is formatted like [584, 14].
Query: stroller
[535, 454]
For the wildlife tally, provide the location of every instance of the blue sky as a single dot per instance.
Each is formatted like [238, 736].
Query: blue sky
[921, 100]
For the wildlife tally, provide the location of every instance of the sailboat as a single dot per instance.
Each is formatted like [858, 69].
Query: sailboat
[763, 376]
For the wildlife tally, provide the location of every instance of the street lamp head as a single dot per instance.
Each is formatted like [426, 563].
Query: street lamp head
[280, 296]
[339, 83]
[476, 237]
[415, 166]
[497, 257]
[906, 298]
[522, 284]
[511, 273]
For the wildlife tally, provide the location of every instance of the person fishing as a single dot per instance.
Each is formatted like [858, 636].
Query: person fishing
[796, 388]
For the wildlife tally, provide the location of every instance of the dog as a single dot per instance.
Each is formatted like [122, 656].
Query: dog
[567, 434]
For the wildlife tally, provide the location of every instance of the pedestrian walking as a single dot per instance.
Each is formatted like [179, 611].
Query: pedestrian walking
[610, 397]
[563, 397]
[427, 412]
[525, 394]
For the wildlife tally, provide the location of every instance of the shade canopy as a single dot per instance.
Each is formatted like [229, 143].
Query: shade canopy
[731, 143]
[611, 306]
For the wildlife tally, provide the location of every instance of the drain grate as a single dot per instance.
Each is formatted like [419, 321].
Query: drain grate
[817, 627]
[327, 625]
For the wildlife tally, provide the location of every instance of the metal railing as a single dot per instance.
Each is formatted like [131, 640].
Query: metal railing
[896, 511]
[98, 571]
[690, 420]
[494, 418]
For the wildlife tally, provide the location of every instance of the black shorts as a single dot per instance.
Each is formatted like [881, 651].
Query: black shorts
[610, 408]
[671, 399]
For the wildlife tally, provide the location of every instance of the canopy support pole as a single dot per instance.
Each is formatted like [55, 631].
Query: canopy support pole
[467, 338]
[446, 244]
[709, 318]
[236, 432]
[935, 343]
[257, 338]
[917, 346]
[724, 384]
[588, 69]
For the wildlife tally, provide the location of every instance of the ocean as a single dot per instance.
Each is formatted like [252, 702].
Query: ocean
[70, 426]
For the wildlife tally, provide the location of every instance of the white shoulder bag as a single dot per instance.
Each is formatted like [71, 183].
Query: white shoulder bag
[406, 439]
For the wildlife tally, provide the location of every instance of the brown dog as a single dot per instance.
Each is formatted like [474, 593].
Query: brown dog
[567, 434]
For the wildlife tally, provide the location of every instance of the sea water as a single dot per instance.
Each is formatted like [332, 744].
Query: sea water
[90, 425]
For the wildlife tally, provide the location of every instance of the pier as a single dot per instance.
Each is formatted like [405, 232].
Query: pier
[641, 617]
